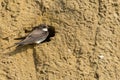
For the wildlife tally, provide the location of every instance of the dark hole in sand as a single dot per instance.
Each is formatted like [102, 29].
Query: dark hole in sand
[52, 32]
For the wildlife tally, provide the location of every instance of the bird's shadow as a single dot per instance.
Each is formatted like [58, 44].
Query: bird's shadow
[19, 49]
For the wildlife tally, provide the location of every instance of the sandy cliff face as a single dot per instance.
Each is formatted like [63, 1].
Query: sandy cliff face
[85, 47]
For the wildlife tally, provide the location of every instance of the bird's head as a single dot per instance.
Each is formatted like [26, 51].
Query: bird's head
[43, 27]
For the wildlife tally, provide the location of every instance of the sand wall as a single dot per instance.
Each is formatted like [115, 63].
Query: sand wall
[85, 47]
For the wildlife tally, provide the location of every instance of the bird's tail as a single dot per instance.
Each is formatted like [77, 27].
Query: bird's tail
[19, 44]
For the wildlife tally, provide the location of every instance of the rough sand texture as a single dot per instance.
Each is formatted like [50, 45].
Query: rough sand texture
[85, 47]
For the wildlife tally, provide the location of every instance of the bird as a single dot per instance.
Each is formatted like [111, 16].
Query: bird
[37, 36]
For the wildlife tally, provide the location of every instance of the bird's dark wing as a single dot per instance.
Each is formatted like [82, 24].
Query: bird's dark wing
[33, 36]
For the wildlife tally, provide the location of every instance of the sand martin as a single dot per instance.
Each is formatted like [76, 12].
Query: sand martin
[38, 35]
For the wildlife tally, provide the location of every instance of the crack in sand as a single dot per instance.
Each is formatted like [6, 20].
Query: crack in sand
[96, 75]
[41, 6]
[94, 62]
[35, 61]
